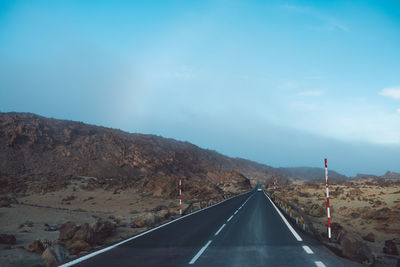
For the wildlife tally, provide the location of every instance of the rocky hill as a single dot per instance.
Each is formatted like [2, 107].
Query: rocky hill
[309, 173]
[41, 154]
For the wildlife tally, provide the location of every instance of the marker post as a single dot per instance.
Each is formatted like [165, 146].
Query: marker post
[327, 199]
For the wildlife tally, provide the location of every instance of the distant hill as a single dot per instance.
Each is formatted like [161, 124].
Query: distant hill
[391, 175]
[387, 175]
[309, 173]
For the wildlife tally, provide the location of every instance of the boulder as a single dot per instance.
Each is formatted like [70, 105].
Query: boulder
[76, 246]
[7, 239]
[54, 255]
[390, 248]
[67, 230]
[162, 211]
[148, 219]
[84, 233]
[354, 249]
[369, 237]
[36, 247]
[102, 229]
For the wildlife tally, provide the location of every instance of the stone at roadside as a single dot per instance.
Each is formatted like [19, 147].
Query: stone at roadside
[148, 219]
[162, 211]
[390, 248]
[76, 246]
[102, 229]
[36, 247]
[67, 230]
[84, 233]
[354, 249]
[7, 239]
[51, 227]
[54, 255]
[118, 219]
[369, 237]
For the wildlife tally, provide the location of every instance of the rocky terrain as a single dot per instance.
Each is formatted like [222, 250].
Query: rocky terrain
[68, 188]
[365, 214]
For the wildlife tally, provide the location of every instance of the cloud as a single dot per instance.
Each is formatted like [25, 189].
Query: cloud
[311, 93]
[398, 110]
[393, 92]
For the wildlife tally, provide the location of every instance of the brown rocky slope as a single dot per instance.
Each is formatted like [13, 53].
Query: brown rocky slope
[42, 155]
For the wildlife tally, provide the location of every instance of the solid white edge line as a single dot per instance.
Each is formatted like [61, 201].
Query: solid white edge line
[230, 218]
[296, 235]
[83, 258]
[319, 263]
[220, 229]
[200, 252]
[308, 250]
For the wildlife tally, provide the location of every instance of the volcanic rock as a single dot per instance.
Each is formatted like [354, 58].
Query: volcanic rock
[353, 248]
[54, 255]
[36, 247]
[148, 219]
[102, 229]
[67, 230]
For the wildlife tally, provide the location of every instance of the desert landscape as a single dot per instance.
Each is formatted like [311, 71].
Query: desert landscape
[365, 214]
[60, 180]
[69, 188]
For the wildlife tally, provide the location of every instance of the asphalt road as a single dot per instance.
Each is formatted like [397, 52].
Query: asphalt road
[246, 230]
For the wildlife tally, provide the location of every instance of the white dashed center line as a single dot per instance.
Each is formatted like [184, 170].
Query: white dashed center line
[200, 252]
[219, 229]
[308, 250]
[319, 264]
[230, 218]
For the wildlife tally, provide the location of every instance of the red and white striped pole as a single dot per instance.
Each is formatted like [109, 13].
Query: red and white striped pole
[180, 195]
[327, 199]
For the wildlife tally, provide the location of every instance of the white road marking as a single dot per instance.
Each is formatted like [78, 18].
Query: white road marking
[200, 252]
[236, 211]
[296, 235]
[308, 250]
[220, 229]
[230, 218]
[73, 262]
[319, 264]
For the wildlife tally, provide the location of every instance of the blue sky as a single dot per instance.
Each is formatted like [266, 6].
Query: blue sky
[285, 83]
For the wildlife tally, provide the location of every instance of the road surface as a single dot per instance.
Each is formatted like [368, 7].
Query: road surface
[246, 230]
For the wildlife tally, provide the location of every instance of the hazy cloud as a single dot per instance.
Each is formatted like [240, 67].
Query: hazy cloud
[393, 92]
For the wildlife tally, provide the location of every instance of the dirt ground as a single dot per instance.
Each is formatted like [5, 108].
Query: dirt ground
[363, 207]
[26, 220]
